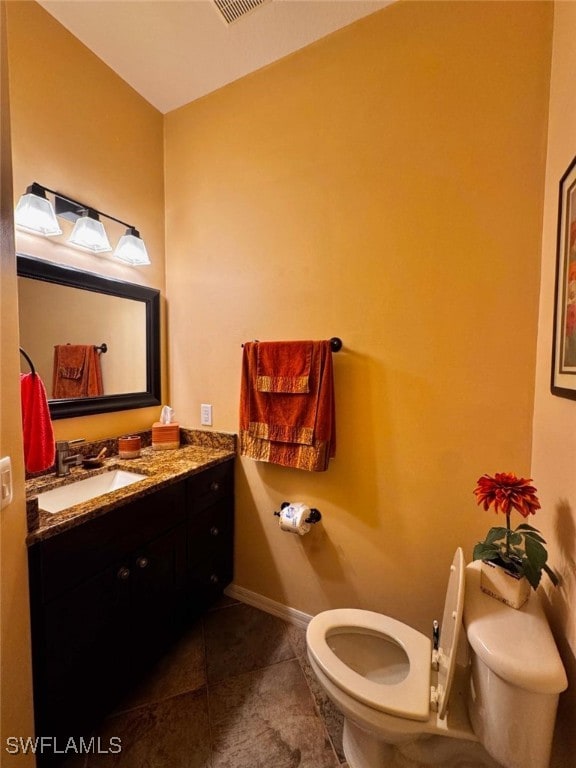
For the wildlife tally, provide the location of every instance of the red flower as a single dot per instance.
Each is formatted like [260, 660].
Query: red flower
[505, 492]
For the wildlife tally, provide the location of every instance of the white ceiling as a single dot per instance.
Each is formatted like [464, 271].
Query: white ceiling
[175, 51]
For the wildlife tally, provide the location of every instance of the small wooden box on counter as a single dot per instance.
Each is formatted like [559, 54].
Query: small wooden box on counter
[165, 436]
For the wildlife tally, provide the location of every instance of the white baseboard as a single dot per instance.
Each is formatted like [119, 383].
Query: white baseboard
[291, 615]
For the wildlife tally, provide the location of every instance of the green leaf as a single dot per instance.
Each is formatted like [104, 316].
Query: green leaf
[535, 553]
[495, 534]
[532, 573]
[483, 551]
[526, 527]
[553, 578]
[517, 555]
[535, 536]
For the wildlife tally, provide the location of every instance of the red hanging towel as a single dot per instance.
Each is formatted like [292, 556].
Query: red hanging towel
[283, 366]
[37, 429]
[284, 425]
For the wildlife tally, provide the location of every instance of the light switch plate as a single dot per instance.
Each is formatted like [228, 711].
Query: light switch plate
[206, 415]
[5, 481]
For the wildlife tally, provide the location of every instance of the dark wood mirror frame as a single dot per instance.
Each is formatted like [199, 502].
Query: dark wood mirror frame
[37, 269]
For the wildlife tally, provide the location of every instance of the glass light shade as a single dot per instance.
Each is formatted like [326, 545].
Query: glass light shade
[89, 233]
[131, 248]
[36, 214]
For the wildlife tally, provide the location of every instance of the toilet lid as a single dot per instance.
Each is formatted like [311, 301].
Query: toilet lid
[450, 630]
[410, 697]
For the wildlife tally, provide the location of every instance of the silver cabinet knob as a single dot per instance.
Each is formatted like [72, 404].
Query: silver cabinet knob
[214, 486]
[214, 579]
[142, 562]
[123, 573]
[214, 531]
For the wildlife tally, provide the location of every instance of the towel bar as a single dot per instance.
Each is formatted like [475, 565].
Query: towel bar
[335, 343]
[30, 363]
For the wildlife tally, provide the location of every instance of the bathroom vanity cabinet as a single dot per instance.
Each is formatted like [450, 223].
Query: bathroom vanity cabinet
[109, 595]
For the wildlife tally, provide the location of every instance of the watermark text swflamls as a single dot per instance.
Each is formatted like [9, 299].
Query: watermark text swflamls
[23, 745]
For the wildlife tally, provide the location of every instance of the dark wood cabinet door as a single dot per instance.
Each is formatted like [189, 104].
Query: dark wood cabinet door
[157, 580]
[80, 641]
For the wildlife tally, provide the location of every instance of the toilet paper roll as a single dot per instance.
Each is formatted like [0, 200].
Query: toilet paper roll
[293, 518]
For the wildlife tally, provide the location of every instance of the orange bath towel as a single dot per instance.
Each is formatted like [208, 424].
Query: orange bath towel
[294, 429]
[36, 424]
[283, 366]
[77, 371]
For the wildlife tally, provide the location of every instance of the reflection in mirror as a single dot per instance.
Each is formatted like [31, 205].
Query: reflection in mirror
[49, 319]
[61, 306]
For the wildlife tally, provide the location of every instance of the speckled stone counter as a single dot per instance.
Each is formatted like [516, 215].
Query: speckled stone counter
[198, 451]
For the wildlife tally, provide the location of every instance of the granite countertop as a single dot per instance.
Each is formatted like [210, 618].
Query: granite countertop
[162, 468]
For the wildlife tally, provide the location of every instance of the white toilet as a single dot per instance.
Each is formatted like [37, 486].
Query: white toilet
[406, 704]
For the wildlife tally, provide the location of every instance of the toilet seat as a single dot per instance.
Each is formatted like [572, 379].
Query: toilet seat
[408, 698]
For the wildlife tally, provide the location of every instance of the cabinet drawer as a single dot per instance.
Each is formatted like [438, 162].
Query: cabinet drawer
[207, 487]
[73, 556]
[211, 555]
[208, 530]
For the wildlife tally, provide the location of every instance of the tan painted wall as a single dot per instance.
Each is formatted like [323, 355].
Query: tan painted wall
[554, 430]
[80, 129]
[384, 185]
[15, 667]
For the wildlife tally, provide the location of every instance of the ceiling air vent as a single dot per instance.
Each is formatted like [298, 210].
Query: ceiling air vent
[232, 10]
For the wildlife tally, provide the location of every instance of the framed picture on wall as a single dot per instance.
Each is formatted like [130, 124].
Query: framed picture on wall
[564, 341]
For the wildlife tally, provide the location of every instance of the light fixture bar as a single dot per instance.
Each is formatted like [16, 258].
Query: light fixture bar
[67, 209]
[71, 209]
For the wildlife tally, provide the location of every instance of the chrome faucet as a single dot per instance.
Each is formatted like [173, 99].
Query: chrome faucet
[64, 459]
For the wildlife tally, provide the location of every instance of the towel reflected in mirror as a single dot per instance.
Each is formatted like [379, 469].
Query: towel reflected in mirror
[77, 371]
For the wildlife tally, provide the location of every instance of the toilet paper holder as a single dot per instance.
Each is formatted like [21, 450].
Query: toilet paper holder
[314, 517]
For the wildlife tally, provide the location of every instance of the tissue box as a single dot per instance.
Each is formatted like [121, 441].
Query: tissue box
[165, 436]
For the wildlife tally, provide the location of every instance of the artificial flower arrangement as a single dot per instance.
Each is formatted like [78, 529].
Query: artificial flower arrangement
[521, 551]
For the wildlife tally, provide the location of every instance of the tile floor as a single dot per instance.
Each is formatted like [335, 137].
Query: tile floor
[236, 692]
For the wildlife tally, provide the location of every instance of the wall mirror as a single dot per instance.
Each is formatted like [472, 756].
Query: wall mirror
[61, 306]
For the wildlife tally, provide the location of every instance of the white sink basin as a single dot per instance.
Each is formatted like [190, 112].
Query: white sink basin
[83, 490]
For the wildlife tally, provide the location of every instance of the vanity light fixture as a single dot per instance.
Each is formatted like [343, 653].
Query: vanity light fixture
[131, 248]
[89, 233]
[35, 213]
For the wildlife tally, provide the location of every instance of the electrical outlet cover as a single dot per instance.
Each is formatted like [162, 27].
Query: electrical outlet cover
[5, 481]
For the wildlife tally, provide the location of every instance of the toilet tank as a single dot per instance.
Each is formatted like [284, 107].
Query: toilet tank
[516, 677]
